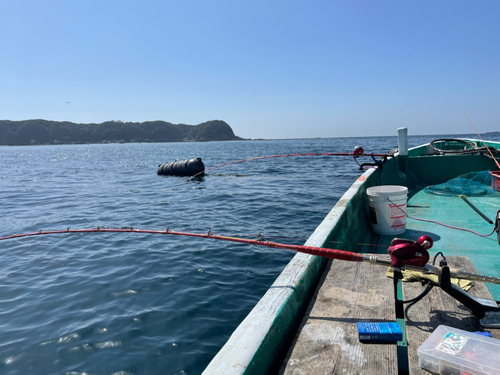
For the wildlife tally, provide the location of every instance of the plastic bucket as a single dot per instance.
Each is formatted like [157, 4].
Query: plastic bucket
[387, 206]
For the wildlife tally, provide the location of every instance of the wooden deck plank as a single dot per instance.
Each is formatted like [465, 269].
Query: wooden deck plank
[327, 340]
[439, 308]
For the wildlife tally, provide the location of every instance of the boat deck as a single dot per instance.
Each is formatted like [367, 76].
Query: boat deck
[484, 252]
[327, 340]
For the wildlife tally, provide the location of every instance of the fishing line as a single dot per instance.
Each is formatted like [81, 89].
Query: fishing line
[356, 153]
[496, 161]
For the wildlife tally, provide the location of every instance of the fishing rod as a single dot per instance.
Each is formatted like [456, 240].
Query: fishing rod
[195, 167]
[358, 151]
[405, 254]
[494, 159]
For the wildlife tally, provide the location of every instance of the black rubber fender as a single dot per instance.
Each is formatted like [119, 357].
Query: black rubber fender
[190, 167]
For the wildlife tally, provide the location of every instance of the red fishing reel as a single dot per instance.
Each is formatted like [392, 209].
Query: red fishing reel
[410, 252]
[358, 151]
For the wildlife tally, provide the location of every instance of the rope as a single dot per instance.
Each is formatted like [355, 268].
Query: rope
[457, 228]
[445, 225]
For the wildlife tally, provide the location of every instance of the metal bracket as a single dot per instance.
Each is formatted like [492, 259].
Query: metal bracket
[491, 319]
[376, 163]
[479, 306]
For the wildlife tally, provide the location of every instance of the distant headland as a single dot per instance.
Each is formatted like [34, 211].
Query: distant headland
[42, 132]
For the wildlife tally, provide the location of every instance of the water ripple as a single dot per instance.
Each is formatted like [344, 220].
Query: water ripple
[102, 303]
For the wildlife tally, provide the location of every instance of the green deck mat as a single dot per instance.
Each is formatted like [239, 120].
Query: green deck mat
[484, 252]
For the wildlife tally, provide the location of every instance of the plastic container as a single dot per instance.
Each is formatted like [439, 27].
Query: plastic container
[387, 206]
[454, 351]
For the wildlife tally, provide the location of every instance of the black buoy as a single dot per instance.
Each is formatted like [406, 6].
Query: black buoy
[188, 167]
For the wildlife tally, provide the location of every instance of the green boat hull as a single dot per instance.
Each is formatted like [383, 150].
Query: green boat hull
[259, 344]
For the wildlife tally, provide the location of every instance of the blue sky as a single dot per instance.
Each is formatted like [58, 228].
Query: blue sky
[270, 69]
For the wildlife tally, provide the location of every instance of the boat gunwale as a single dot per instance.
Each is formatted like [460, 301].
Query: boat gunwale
[258, 341]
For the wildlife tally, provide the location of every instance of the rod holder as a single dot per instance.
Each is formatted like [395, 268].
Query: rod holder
[479, 306]
[403, 141]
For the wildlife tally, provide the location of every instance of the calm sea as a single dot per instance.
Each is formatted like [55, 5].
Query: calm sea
[111, 303]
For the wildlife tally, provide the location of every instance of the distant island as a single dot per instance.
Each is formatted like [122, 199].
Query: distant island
[42, 132]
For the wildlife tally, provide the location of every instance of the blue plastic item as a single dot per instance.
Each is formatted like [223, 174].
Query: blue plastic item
[379, 331]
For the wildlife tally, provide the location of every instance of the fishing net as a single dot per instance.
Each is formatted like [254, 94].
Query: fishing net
[470, 184]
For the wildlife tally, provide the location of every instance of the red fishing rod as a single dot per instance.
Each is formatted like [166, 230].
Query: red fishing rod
[404, 254]
[195, 167]
[260, 241]
[358, 151]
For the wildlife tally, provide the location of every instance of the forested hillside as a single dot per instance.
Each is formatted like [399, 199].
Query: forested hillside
[36, 132]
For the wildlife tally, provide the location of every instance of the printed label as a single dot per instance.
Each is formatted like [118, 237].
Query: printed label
[452, 343]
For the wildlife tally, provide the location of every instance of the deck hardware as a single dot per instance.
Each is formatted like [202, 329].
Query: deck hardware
[376, 163]
[479, 306]
[491, 319]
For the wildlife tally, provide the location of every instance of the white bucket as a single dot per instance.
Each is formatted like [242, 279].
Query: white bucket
[387, 208]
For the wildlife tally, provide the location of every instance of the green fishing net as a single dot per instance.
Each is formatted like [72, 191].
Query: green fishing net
[470, 184]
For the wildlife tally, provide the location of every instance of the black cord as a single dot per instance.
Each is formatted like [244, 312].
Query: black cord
[428, 286]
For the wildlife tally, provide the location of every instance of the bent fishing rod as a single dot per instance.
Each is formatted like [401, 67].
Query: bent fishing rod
[404, 254]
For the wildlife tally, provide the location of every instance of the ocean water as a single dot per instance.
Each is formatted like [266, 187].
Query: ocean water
[126, 303]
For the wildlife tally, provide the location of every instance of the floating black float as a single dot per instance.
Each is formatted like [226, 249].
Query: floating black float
[188, 167]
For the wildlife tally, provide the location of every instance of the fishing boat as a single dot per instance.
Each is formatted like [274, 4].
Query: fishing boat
[287, 320]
